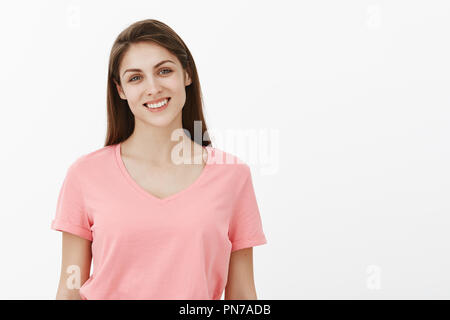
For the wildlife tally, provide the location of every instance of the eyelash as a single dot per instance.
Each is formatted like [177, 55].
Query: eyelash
[170, 71]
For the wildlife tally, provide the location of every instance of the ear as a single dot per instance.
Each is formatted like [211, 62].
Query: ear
[120, 91]
[187, 79]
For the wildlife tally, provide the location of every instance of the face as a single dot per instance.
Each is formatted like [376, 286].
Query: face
[144, 79]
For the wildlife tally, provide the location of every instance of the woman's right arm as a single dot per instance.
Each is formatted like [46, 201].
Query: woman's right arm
[76, 264]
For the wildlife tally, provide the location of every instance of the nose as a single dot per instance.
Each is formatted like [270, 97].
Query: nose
[152, 86]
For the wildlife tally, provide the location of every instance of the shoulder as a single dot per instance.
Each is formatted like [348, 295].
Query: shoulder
[92, 161]
[229, 162]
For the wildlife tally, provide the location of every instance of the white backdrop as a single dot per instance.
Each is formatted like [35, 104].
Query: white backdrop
[349, 102]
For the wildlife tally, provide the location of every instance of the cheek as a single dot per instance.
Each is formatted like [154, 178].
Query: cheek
[131, 91]
[133, 94]
[174, 85]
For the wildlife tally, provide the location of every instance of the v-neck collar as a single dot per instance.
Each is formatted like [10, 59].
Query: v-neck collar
[147, 194]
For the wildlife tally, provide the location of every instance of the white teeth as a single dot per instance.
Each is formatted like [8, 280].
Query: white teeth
[157, 105]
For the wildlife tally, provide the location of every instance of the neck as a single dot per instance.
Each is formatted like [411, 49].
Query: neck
[155, 146]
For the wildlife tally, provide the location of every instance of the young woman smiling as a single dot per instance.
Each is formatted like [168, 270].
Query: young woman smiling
[158, 219]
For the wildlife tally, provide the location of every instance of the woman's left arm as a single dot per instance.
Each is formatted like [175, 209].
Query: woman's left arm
[240, 283]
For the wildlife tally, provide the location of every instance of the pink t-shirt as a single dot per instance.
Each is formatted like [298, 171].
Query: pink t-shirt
[144, 247]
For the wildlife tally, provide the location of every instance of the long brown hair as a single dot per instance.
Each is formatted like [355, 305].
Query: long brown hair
[119, 116]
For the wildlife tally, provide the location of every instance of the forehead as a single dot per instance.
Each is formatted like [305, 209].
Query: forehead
[144, 55]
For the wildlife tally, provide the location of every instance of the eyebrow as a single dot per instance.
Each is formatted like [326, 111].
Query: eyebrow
[139, 70]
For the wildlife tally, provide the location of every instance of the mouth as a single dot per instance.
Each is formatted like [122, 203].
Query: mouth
[158, 106]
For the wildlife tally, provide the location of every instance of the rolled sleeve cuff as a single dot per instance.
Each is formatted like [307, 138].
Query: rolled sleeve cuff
[61, 225]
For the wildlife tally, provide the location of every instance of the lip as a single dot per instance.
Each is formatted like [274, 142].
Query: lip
[158, 109]
[156, 101]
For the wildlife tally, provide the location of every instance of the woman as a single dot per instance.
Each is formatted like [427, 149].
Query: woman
[158, 218]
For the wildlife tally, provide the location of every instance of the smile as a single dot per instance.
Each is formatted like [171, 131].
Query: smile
[158, 106]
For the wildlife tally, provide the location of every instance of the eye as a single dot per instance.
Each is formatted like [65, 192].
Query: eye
[166, 70]
[133, 78]
[170, 71]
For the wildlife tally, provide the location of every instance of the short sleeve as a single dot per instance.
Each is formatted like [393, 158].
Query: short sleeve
[245, 228]
[71, 215]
